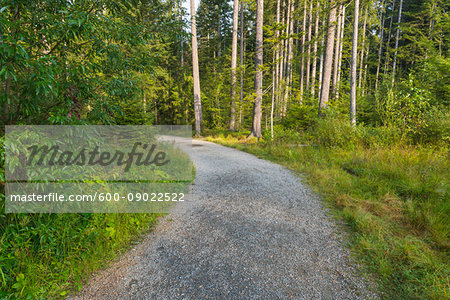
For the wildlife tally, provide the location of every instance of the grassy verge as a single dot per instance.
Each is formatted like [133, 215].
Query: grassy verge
[48, 256]
[394, 199]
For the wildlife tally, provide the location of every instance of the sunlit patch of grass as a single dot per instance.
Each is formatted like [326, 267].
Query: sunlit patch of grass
[394, 199]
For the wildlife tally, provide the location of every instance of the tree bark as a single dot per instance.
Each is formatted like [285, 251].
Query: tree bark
[233, 66]
[314, 64]
[275, 67]
[281, 58]
[336, 52]
[380, 49]
[241, 62]
[354, 65]
[322, 56]
[256, 128]
[290, 56]
[394, 65]
[341, 46]
[277, 57]
[328, 64]
[180, 19]
[389, 38]
[273, 93]
[196, 77]
[302, 68]
[287, 57]
[308, 59]
[363, 43]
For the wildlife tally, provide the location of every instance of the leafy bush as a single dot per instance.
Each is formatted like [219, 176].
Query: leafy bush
[437, 129]
[282, 134]
[406, 107]
[300, 117]
[333, 130]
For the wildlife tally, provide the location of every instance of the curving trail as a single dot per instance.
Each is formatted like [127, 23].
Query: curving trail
[249, 230]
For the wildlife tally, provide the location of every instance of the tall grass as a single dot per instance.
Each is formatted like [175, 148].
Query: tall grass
[393, 196]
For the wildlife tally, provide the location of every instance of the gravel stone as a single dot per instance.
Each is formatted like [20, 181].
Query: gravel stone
[249, 229]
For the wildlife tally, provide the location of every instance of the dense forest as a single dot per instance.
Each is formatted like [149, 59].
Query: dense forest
[102, 62]
[365, 75]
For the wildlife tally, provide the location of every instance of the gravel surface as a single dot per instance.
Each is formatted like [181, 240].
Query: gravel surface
[249, 229]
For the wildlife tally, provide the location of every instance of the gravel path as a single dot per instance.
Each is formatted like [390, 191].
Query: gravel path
[249, 230]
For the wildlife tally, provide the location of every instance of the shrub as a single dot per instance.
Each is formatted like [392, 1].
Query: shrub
[333, 131]
[300, 117]
[406, 107]
[282, 134]
[437, 129]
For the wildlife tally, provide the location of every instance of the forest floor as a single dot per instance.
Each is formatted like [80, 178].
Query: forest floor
[249, 228]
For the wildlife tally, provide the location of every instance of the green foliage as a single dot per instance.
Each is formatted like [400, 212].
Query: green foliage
[50, 255]
[300, 117]
[46, 255]
[437, 131]
[63, 62]
[282, 134]
[406, 107]
[410, 109]
[81, 62]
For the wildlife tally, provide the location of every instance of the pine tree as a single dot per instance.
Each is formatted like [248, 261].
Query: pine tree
[196, 77]
[257, 112]
[328, 63]
[354, 64]
[233, 66]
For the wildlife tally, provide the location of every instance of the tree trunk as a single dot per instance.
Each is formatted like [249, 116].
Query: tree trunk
[328, 64]
[389, 38]
[219, 37]
[354, 65]
[363, 42]
[394, 65]
[336, 52]
[197, 99]
[241, 62]
[308, 59]
[302, 68]
[275, 67]
[281, 58]
[273, 93]
[290, 56]
[341, 46]
[256, 128]
[233, 66]
[322, 52]
[380, 49]
[180, 19]
[277, 58]
[287, 58]
[314, 64]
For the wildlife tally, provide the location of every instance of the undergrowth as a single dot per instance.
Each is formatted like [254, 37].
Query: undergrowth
[50, 255]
